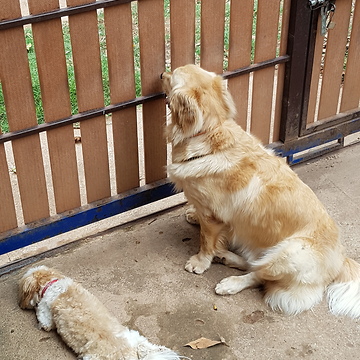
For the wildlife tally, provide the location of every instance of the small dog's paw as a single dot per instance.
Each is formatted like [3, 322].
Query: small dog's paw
[46, 328]
[228, 286]
[197, 264]
[191, 216]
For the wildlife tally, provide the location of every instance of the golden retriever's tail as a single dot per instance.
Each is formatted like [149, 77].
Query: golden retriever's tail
[344, 293]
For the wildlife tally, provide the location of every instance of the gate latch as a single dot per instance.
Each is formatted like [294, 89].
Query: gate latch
[327, 10]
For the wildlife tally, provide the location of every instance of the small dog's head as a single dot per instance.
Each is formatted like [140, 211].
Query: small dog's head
[32, 283]
[198, 99]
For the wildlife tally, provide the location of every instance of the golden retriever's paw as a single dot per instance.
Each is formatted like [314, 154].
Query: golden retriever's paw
[234, 284]
[197, 264]
[191, 216]
[229, 286]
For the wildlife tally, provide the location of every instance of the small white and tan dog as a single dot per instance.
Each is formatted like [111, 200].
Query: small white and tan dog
[82, 320]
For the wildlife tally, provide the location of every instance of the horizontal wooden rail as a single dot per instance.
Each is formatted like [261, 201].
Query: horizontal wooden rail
[127, 104]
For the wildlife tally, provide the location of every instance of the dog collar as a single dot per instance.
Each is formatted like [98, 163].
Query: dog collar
[195, 157]
[199, 133]
[47, 286]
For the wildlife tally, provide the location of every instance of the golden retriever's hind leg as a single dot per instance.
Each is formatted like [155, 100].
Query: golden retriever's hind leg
[191, 216]
[234, 284]
[232, 260]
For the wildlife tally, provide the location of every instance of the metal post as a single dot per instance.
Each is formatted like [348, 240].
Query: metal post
[300, 48]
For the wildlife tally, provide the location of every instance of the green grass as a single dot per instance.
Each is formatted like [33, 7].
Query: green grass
[103, 54]
[34, 75]
[70, 68]
[4, 126]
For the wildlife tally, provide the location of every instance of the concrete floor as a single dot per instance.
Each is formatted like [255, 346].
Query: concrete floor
[137, 271]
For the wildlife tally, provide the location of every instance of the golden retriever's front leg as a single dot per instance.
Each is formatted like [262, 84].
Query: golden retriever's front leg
[209, 234]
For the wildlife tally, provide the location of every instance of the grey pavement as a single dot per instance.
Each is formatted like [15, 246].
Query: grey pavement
[137, 271]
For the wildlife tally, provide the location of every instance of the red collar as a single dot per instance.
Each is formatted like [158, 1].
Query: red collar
[47, 286]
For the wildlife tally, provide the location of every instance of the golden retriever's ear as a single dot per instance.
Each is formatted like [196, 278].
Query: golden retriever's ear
[28, 288]
[185, 112]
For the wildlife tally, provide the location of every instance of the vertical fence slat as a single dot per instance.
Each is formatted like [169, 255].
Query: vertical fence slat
[152, 59]
[241, 21]
[351, 91]
[281, 70]
[182, 30]
[315, 75]
[334, 60]
[16, 83]
[50, 55]
[212, 35]
[7, 207]
[118, 24]
[263, 80]
[88, 77]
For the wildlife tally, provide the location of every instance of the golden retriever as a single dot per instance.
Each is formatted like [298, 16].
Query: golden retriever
[253, 210]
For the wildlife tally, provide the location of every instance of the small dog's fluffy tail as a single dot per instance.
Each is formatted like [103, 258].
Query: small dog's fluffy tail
[344, 293]
[164, 354]
[144, 349]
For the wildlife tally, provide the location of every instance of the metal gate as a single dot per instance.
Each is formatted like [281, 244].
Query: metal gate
[283, 81]
[322, 85]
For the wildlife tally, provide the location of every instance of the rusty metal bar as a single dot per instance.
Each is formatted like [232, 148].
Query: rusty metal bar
[123, 105]
[254, 67]
[79, 117]
[55, 14]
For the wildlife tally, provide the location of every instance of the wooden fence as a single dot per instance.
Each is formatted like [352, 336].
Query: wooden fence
[335, 75]
[113, 104]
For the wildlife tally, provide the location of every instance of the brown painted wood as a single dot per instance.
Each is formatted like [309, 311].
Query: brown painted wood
[351, 91]
[7, 207]
[118, 23]
[241, 21]
[263, 80]
[315, 75]
[88, 76]
[182, 29]
[152, 59]
[16, 84]
[212, 35]
[50, 53]
[334, 61]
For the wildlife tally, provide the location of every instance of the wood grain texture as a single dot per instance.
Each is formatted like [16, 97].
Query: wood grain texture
[334, 61]
[182, 29]
[51, 62]
[152, 56]
[240, 42]
[89, 88]
[119, 39]
[351, 91]
[17, 87]
[263, 80]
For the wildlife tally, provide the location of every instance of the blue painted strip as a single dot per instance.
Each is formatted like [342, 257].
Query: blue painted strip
[89, 214]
